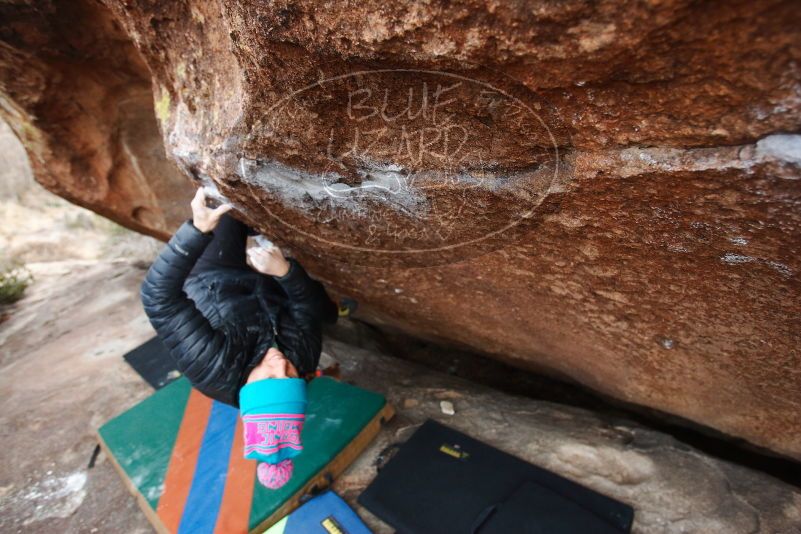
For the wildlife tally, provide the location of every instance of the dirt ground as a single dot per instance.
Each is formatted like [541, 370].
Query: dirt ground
[63, 376]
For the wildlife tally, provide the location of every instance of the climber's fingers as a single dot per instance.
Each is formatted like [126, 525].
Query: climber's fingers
[205, 218]
[200, 198]
[221, 209]
[270, 262]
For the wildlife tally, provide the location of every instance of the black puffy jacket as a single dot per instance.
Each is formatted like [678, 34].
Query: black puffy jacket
[218, 324]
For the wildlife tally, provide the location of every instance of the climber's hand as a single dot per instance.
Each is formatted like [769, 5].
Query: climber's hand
[205, 218]
[269, 261]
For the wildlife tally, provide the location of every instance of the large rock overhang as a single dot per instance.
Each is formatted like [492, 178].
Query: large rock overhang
[603, 192]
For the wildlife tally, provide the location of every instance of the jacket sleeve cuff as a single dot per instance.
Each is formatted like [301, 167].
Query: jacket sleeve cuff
[295, 280]
[291, 274]
[188, 241]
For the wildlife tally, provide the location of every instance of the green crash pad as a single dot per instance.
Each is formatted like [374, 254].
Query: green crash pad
[181, 454]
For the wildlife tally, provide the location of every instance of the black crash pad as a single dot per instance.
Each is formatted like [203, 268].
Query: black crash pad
[153, 362]
[442, 480]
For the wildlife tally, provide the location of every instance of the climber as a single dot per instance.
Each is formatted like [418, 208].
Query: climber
[244, 326]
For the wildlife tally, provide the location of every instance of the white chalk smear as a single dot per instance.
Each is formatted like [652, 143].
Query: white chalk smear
[738, 259]
[782, 147]
[46, 498]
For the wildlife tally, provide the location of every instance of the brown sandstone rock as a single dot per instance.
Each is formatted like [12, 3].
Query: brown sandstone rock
[605, 192]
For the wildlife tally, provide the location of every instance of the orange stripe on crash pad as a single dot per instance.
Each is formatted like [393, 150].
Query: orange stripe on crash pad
[238, 495]
[183, 461]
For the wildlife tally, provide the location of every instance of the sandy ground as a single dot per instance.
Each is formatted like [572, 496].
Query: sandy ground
[62, 376]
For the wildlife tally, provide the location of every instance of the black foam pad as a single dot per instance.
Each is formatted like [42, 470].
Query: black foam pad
[442, 480]
[153, 362]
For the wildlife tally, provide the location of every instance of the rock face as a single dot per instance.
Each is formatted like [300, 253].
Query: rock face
[604, 192]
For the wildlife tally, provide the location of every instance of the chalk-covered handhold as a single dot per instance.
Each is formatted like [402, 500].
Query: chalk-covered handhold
[447, 408]
[264, 243]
